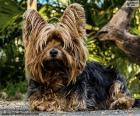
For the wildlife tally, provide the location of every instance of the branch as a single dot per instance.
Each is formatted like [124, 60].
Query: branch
[117, 30]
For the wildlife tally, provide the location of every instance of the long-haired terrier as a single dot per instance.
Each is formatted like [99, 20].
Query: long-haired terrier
[59, 76]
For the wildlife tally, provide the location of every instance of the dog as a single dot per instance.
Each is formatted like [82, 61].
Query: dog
[59, 76]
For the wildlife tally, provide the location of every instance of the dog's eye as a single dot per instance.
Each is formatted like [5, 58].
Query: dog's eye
[60, 43]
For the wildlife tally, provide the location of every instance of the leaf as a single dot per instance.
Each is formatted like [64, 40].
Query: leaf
[8, 9]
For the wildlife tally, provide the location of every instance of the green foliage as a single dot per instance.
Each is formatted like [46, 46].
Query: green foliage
[14, 90]
[98, 13]
[11, 51]
[11, 47]
[135, 24]
[8, 10]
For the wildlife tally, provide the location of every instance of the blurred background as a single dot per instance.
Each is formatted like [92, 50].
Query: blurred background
[13, 84]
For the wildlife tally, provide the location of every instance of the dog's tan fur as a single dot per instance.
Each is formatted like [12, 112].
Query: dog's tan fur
[38, 33]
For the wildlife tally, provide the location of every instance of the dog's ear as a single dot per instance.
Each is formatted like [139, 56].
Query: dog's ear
[74, 20]
[33, 23]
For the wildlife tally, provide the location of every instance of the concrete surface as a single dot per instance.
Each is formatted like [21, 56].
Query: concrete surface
[13, 108]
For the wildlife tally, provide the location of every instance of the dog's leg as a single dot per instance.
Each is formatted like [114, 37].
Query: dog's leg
[120, 96]
[35, 96]
[41, 101]
[36, 102]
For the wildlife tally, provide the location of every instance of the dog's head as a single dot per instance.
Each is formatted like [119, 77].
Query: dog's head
[55, 50]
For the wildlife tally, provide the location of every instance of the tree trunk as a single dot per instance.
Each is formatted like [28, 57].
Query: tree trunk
[117, 30]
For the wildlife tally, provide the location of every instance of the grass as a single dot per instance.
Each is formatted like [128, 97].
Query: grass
[14, 91]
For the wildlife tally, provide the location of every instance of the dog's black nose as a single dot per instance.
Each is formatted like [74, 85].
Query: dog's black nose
[53, 52]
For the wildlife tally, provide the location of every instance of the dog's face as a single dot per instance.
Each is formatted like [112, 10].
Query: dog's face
[55, 52]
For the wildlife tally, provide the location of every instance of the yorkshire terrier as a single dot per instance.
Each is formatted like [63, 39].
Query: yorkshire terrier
[59, 76]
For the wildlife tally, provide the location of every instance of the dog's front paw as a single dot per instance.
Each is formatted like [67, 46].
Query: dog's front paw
[45, 107]
[40, 108]
[49, 103]
[122, 103]
[42, 105]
